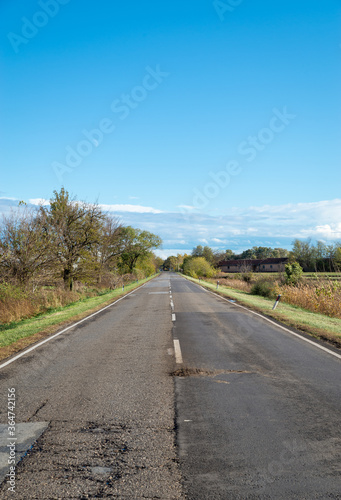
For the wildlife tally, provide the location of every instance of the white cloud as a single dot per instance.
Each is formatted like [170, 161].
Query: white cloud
[328, 231]
[39, 201]
[130, 208]
[187, 207]
[163, 254]
[320, 210]
[238, 229]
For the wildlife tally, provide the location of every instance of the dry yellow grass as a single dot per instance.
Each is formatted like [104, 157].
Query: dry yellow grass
[322, 296]
[17, 304]
[231, 283]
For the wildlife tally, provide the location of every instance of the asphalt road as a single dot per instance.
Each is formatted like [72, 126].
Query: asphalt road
[253, 410]
[258, 410]
[105, 392]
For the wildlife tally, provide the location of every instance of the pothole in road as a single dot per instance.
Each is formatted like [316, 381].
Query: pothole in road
[192, 372]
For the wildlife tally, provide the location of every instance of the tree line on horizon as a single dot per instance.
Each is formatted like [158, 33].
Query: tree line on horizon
[69, 241]
[319, 257]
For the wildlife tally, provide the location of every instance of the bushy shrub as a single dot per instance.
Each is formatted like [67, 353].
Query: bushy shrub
[264, 288]
[198, 267]
[293, 273]
[247, 277]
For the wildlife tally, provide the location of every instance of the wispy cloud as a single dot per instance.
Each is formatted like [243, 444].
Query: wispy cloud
[187, 207]
[267, 225]
[130, 208]
[39, 201]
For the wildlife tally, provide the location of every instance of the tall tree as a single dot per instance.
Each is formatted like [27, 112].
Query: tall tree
[77, 228]
[109, 246]
[137, 243]
[25, 245]
[197, 251]
[304, 254]
[208, 254]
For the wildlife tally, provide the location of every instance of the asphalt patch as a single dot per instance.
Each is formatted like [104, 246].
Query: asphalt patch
[192, 372]
[26, 435]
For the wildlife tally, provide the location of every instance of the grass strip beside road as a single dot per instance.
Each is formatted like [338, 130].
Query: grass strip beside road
[316, 325]
[16, 336]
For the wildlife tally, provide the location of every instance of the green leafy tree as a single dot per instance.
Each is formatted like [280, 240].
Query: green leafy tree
[137, 243]
[109, 246]
[280, 252]
[248, 254]
[77, 229]
[145, 265]
[198, 267]
[337, 258]
[293, 273]
[174, 263]
[158, 262]
[229, 255]
[167, 263]
[303, 253]
[208, 254]
[197, 251]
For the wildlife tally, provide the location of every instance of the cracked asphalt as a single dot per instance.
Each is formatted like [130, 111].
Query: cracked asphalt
[105, 390]
[258, 409]
[175, 393]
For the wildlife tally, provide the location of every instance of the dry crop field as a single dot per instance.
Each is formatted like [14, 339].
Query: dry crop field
[316, 292]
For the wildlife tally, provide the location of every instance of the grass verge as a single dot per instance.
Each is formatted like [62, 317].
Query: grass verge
[16, 336]
[317, 325]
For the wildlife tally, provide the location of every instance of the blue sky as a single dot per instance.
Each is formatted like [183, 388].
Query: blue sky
[212, 122]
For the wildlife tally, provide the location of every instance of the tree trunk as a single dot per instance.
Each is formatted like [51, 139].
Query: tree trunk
[68, 280]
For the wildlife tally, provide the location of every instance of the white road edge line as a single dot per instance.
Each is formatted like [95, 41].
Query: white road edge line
[67, 328]
[173, 319]
[172, 305]
[273, 323]
[177, 351]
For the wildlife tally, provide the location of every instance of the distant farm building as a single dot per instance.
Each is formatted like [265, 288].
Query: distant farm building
[270, 265]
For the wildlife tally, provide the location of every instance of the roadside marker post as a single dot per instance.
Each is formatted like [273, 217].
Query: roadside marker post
[217, 285]
[277, 301]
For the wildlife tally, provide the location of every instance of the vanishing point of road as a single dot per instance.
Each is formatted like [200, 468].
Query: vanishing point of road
[174, 392]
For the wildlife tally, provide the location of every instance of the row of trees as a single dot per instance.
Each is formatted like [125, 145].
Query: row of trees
[73, 241]
[318, 257]
[215, 256]
[314, 258]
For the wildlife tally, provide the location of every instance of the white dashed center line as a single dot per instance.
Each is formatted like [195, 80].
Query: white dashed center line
[177, 350]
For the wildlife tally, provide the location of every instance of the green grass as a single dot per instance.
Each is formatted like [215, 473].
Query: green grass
[13, 332]
[317, 276]
[318, 325]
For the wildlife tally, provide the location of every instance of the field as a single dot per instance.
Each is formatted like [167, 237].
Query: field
[316, 292]
[306, 276]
